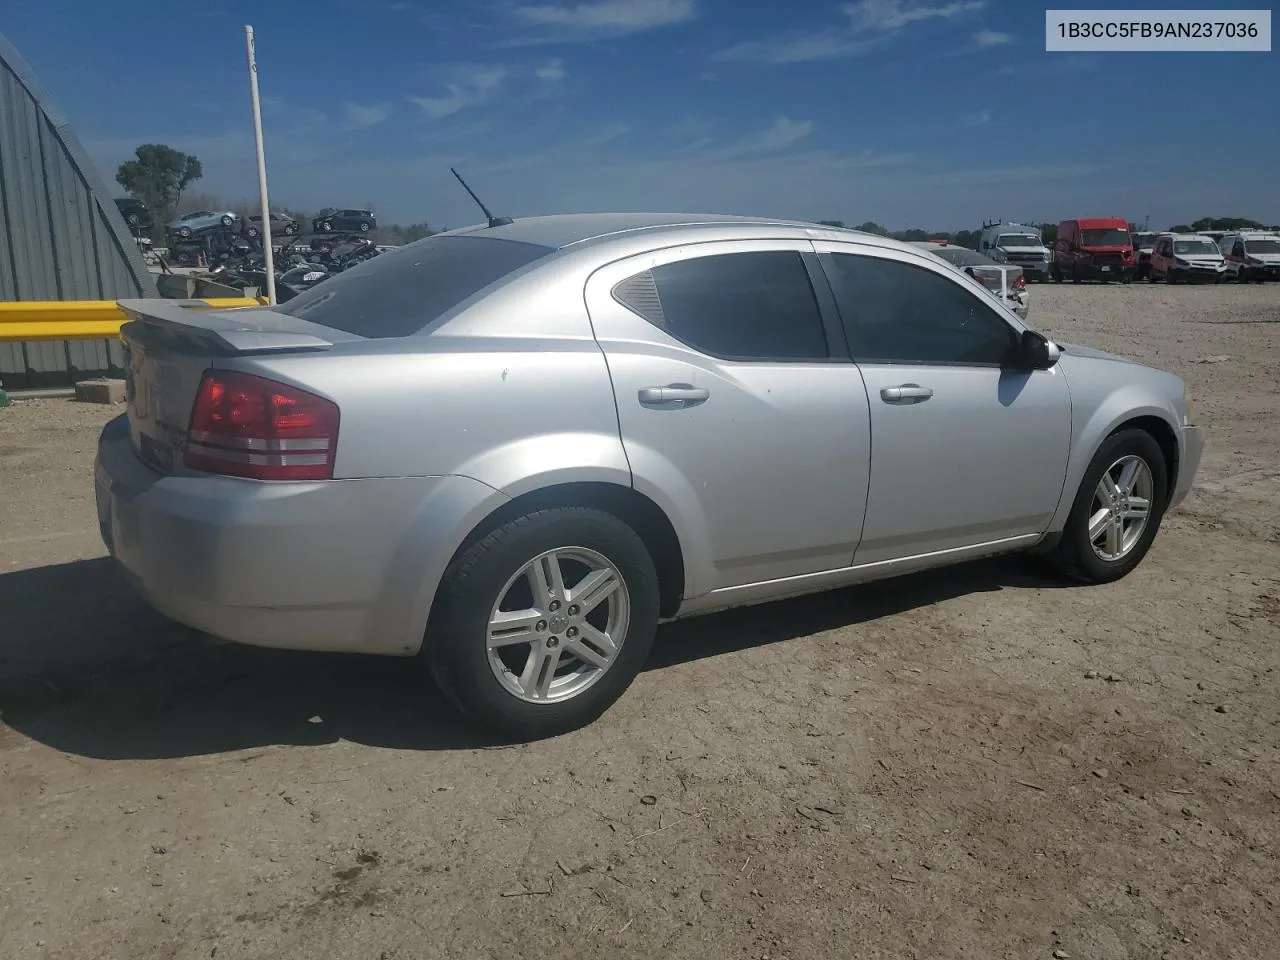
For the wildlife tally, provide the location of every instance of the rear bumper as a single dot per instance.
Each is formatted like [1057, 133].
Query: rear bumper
[335, 565]
[1190, 449]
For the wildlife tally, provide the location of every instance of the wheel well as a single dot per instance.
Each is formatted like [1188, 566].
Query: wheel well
[636, 510]
[1163, 435]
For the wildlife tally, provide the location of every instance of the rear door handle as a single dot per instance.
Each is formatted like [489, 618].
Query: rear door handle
[674, 396]
[906, 393]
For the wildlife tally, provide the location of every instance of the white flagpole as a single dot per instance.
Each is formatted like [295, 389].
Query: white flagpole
[262, 168]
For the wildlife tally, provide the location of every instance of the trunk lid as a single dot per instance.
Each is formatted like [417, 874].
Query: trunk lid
[169, 344]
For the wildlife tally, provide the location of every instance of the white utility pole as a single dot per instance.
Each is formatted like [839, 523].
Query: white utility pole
[262, 168]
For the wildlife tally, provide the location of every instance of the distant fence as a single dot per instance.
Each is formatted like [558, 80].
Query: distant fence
[56, 343]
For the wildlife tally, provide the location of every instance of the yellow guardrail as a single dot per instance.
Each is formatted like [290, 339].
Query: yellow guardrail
[80, 319]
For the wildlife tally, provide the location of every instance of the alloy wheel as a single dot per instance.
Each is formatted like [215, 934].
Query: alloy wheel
[558, 625]
[1121, 508]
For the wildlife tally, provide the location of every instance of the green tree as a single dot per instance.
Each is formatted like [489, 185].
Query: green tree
[871, 226]
[157, 177]
[832, 223]
[1225, 223]
[1183, 228]
[966, 238]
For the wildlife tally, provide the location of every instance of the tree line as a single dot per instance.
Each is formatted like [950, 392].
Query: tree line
[159, 176]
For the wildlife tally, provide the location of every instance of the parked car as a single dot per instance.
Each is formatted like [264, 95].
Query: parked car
[136, 215]
[739, 410]
[282, 225]
[202, 220]
[1143, 243]
[344, 221]
[1097, 248]
[1003, 280]
[1186, 258]
[1251, 255]
[1017, 244]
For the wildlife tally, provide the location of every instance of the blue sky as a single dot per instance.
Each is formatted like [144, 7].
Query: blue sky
[932, 113]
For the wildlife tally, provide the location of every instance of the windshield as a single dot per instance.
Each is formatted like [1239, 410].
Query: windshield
[1144, 241]
[1202, 248]
[1104, 238]
[1262, 246]
[963, 257]
[1017, 240]
[398, 293]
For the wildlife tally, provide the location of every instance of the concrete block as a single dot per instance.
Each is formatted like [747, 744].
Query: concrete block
[102, 390]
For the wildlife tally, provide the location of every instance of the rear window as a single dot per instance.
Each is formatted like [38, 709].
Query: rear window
[398, 293]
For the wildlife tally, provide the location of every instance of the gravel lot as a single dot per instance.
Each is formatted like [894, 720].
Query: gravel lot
[972, 763]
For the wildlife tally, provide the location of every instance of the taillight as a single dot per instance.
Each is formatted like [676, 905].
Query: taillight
[248, 426]
[1019, 282]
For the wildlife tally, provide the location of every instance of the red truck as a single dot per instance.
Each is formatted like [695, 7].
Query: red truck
[1093, 248]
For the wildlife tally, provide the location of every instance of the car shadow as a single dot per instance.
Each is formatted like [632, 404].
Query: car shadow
[86, 667]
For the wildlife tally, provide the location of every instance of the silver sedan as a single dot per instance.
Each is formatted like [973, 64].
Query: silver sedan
[511, 451]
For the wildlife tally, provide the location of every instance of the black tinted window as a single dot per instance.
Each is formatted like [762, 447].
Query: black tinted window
[900, 313]
[398, 293]
[749, 306]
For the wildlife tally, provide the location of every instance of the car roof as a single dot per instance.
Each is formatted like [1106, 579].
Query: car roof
[580, 229]
[1187, 236]
[1101, 223]
[1259, 234]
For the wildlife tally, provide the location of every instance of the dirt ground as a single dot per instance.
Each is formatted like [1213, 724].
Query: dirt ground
[972, 763]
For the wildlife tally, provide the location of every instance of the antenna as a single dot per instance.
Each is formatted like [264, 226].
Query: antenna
[493, 221]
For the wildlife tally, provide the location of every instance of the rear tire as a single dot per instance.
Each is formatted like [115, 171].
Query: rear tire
[1092, 559]
[505, 686]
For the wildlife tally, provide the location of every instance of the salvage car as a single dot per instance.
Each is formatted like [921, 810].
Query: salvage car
[1251, 255]
[201, 220]
[282, 225]
[344, 221]
[1186, 258]
[511, 450]
[1144, 242]
[136, 214]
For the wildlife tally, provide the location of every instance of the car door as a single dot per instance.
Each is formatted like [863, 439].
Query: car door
[739, 409]
[965, 450]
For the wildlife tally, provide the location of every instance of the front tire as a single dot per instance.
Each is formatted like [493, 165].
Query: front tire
[542, 624]
[1117, 510]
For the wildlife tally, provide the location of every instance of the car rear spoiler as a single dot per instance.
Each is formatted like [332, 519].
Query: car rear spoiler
[240, 330]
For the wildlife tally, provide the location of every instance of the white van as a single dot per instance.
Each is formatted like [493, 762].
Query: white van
[1251, 255]
[1019, 245]
[1186, 258]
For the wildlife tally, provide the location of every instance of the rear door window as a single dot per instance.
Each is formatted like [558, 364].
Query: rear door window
[397, 294]
[755, 305]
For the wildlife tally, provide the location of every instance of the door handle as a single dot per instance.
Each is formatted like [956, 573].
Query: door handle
[906, 393]
[675, 396]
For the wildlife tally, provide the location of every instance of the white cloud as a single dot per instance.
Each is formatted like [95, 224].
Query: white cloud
[992, 38]
[885, 16]
[975, 119]
[469, 85]
[830, 44]
[552, 71]
[868, 24]
[361, 116]
[781, 134]
[606, 18]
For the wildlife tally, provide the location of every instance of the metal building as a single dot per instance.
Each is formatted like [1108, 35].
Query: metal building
[61, 235]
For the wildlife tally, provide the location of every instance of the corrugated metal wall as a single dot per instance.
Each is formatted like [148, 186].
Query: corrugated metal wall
[61, 236]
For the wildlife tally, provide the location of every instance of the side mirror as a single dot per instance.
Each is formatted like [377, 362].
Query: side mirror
[1035, 351]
